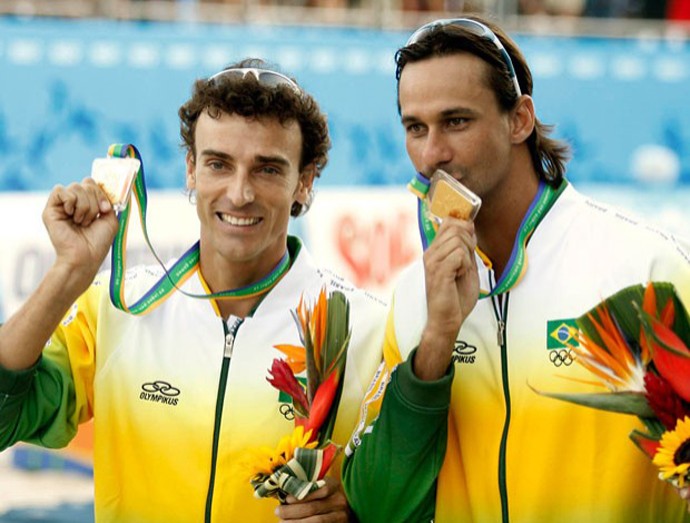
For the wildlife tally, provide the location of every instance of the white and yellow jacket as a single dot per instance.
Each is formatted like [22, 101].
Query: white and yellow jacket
[178, 395]
[507, 453]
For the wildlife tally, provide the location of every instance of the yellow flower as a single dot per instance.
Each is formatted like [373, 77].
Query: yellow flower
[265, 460]
[673, 456]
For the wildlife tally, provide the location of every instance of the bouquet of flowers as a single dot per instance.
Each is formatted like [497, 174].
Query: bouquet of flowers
[299, 463]
[636, 344]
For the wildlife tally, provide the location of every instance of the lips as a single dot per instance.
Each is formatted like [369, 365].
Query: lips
[238, 221]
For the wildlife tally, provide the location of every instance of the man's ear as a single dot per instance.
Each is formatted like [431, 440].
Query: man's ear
[190, 175]
[305, 183]
[523, 119]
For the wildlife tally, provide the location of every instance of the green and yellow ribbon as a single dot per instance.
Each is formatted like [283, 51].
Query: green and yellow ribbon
[181, 270]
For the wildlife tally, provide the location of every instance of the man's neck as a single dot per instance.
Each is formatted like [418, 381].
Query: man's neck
[499, 219]
[221, 276]
[236, 307]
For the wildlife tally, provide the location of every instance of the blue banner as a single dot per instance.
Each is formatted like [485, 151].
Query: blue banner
[70, 88]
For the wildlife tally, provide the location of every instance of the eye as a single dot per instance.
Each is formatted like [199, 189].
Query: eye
[270, 170]
[215, 165]
[457, 121]
[415, 129]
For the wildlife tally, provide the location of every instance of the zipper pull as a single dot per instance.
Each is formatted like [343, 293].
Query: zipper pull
[230, 338]
[229, 344]
[501, 332]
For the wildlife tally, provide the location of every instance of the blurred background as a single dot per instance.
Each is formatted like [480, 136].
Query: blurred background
[78, 75]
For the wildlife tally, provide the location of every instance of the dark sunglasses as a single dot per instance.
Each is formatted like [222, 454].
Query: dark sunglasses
[474, 27]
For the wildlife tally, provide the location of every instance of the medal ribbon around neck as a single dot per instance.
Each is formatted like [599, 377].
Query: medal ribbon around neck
[517, 264]
[182, 269]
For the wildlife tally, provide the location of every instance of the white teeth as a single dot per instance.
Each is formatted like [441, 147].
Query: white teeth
[241, 222]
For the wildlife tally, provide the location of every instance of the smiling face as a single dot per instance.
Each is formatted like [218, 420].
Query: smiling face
[246, 176]
[452, 121]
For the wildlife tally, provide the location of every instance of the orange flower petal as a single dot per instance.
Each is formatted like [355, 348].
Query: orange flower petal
[668, 315]
[649, 300]
[603, 357]
[296, 356]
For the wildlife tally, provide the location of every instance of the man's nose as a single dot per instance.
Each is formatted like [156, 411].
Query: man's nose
[240, 189]
[437, 151]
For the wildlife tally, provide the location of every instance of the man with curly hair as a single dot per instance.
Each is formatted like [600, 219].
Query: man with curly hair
[179, 396]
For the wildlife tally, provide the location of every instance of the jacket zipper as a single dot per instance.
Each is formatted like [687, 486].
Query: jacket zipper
[500, 306]
[230, 333]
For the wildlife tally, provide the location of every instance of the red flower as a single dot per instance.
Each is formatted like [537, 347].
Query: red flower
[663, 400]
[671, 357]
[284, 380]
[321, 406]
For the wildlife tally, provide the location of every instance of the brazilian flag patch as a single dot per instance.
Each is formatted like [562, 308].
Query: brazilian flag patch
[560, 334]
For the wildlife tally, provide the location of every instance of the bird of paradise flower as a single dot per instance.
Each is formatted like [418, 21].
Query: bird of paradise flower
[635, 343]
[299, 463]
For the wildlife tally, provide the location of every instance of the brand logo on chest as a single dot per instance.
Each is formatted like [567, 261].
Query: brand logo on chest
[160, 391]
[463, 352]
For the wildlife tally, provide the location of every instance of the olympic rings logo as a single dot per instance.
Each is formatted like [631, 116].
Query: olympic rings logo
[287, 411]
[561, 357]
[162, 387]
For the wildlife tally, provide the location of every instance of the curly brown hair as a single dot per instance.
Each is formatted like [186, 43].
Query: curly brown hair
[549, 155]
[246, 96]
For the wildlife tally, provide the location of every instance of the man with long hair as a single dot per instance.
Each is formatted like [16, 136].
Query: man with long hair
[460, 435]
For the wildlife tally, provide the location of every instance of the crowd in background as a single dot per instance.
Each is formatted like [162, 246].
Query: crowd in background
[640, 9]
[645, 9]
[674, 10]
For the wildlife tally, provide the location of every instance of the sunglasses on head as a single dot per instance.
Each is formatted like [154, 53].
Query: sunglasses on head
[474, 27]
[265, 77]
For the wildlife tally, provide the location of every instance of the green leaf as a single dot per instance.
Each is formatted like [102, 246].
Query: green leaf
[313, 378]
[335, 352]
[627, 402]
[337, 332]
[655, 428]
[681, 325]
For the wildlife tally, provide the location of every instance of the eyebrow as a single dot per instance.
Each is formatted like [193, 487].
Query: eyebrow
[448, 113]
[259, 158]
[213, 152]
[280, 160]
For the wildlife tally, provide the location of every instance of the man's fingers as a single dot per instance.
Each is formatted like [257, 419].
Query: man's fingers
[81, 202]
[453, 257]
[452, 234]
[327, 503]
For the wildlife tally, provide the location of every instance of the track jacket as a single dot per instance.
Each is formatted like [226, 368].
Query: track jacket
[502, 452]
[178, 395]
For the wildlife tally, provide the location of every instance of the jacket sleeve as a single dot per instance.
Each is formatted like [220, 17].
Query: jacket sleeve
[390, 470]
[45, 404]
[36, 406]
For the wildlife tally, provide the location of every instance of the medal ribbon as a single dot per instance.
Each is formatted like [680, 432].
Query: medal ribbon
[517, 264]
[182, 269]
